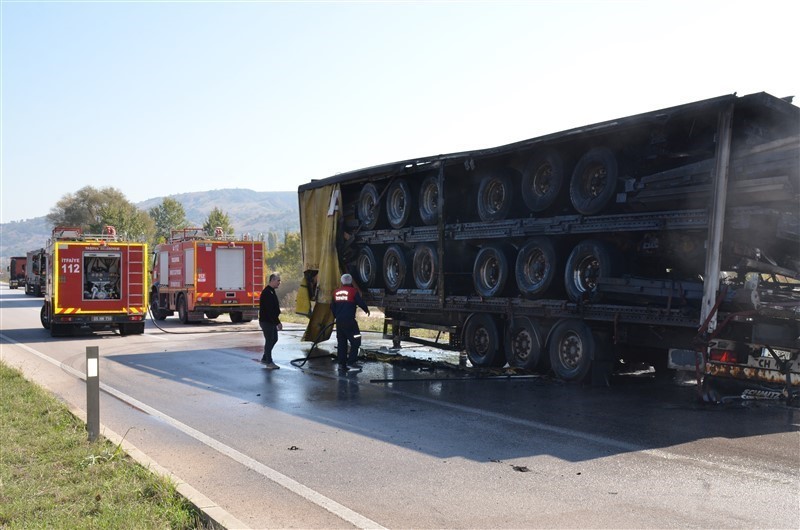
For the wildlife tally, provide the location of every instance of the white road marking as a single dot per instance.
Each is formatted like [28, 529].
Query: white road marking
[290, 484]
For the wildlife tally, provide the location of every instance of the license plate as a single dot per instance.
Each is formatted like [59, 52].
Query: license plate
[101, 319]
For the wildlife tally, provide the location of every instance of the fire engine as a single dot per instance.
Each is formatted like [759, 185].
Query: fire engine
[198, 275]
[94, 280]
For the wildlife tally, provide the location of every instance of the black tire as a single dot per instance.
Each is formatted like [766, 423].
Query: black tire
[490, 271]
[368, 207]
[429, 201]
[133, 328]
[183, 310]
[482, 341]
[524, 344]
[61, 330]
[425, 266]
[398, 203]
[571, 348]
[211, 315]
[394, 268]
[44, 316]
[366, 267]
[536, 267]
[236, 317]
[542, 180]
[496, 194]
[155, 311]
[589, 261]
[594, 181]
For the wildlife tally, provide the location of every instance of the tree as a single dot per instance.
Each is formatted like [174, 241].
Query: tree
[168, 216]
[287, 259]
[217, 218]
[92, 209]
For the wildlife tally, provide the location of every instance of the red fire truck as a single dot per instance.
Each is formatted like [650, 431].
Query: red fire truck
[198, 275]
[96, 281]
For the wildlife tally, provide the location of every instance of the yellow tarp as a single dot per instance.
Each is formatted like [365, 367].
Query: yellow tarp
[320, 212]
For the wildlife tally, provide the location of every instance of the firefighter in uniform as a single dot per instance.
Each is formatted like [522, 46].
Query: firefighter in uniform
[345, 300]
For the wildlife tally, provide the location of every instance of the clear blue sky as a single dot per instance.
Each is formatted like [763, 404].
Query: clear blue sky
[159, 98]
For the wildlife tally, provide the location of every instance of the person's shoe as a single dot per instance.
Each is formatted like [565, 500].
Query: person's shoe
[272, 366]
[262, 361]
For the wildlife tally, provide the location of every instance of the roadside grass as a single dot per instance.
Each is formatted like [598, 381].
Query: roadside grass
[51, 476]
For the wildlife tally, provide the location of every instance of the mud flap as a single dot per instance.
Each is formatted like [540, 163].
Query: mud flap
[319, 328]
[723, 390]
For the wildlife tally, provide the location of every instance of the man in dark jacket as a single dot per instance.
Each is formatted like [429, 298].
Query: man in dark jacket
[269, 311]
[345, 300]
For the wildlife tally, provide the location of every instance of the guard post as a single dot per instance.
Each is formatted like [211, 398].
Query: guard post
[92, 392]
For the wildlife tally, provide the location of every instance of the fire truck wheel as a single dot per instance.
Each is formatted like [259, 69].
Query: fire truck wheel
[155, 311]
[183, 312]
[236, 317]
[60, 330]
[135, 328]
[571, 347]
[44, 316]
[212, 314]
[483, 342]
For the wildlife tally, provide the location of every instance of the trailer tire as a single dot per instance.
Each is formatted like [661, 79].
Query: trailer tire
[594, 181]
[429, 200]
[542, 180]
[394, 268]
[398, 203]
[44, 316]
[496, 194]
[490, 271]
[366, 267]
[589, 261]
[524, 344]
[183, 311]
[483, 342]
[535, 267]
[571, 348]
[425, 266]
[368, 207]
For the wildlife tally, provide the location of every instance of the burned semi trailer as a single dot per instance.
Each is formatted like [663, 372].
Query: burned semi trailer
[670, 237]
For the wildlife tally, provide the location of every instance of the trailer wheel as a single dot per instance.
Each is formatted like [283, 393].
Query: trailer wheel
[482, 341]
[589, 261]
[183, 311]
[535, 267]
[368, 207]
[425, 266]
[490, 271]
[594, 181]
[44, 316]
[496, 194]
[398, 203]
[571, 348]
[429, 200]
[542, 180]
[394, 268]
[524, 344]
[366, 267]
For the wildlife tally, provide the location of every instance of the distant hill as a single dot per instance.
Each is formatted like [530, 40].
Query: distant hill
[252, 212]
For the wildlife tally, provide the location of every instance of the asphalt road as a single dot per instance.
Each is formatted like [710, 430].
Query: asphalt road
[405, 446]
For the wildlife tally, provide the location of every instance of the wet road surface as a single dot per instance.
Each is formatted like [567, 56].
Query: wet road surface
[404, 445]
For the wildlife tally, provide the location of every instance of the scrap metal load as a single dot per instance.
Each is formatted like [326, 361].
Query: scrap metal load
[96, 281]
[198, 275]
[618, 241]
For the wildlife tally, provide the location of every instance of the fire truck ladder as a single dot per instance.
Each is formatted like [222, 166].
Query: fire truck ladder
[135, 257]
[258, 270]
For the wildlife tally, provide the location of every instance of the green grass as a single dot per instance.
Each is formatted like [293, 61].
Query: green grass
[51, 476]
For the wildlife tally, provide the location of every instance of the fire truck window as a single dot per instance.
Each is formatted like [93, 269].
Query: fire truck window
[101, 278]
